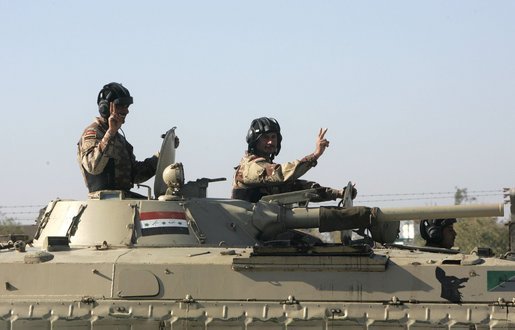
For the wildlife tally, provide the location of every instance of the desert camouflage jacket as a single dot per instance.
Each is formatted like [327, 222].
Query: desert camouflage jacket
[112, 164]
[257, 176]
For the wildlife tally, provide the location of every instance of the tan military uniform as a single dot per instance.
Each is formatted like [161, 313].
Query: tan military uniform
[110, 164]
[256, 177]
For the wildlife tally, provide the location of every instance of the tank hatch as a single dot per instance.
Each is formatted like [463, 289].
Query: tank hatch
[136, 283]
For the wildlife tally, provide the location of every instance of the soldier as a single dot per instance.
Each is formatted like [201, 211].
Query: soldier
[438, 232]
[258, 176]
[106, 158]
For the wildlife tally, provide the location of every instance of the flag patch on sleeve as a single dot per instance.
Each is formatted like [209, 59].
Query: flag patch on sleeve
[90, 134]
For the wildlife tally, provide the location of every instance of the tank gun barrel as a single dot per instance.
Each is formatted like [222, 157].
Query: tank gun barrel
[440, 212]
[309, 218]
[272, 218]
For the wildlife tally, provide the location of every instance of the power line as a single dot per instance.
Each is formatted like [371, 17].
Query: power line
[23, 213]
[500, 191]
[20, 206]
[24, 220]
[418, 198]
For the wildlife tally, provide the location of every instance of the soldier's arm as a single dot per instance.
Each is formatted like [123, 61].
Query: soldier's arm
[144, 170]
[267, 173]
[93, 151]
[260, 172]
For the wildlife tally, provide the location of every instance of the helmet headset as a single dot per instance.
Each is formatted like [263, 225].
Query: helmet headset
[432, 229]
[261, 126]
[112, 92]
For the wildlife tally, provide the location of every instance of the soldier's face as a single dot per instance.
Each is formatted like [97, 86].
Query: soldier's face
[449, 235]
[121, 111]
[267, 143]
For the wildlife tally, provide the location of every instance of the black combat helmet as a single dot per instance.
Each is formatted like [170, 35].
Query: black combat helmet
[262, 126]
[431, 229]
[112, 92]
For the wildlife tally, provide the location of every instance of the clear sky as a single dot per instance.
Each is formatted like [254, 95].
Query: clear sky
[418, 96]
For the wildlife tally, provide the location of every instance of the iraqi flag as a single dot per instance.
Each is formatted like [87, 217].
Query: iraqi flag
[163, 223]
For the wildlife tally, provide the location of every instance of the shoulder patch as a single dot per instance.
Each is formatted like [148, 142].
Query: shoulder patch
[89, 134]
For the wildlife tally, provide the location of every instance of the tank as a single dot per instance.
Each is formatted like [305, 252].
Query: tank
[180, 260]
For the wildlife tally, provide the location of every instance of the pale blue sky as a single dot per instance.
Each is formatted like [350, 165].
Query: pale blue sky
[418, 96]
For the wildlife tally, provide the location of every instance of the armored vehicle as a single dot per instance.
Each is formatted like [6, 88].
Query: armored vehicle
[179, 260]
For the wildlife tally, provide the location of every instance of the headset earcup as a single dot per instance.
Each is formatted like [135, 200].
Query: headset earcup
[435, 233]
[103, 108]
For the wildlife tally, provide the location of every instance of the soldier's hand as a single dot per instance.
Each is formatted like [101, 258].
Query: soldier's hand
[341, 193]
[321, 144]
[115, 121]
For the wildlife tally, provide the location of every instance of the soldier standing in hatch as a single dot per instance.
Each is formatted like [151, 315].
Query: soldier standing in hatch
[106, 158]
[258, 176]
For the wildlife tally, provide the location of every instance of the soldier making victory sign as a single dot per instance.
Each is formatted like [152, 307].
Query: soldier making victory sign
[257, 175]
[106, 158]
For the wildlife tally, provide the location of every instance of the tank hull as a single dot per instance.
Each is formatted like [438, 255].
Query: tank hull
[158, 288]
[199, 263]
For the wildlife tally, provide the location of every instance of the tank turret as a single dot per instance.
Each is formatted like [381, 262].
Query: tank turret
[176, 220]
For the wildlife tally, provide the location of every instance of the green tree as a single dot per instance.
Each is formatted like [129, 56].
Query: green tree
[482, 232]
[461, 196]
[479, 232]
[9, 225]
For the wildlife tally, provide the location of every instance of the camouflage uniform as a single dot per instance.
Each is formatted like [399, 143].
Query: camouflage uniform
[111, 164]
[257, 176]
